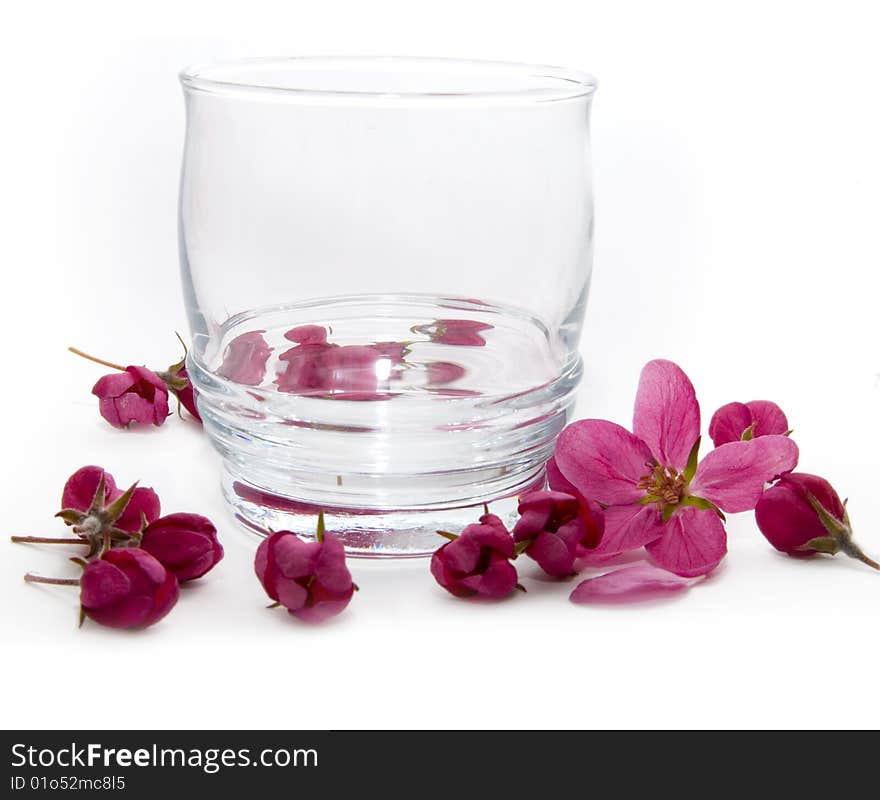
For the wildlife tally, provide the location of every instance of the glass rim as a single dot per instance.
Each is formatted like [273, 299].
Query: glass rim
[560, 83]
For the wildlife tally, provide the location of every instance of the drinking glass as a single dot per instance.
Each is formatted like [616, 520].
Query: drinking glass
[385, 265]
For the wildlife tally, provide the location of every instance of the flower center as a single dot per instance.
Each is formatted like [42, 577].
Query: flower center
[663, 484]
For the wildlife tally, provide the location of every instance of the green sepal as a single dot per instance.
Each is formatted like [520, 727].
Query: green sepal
[649, 498]
[486, 509]
[115, 510]
[748, 434]
[82, 616]
[668, 511]
[519, 547]
[319, 535]
[835, 527]
[822, 544]
[693, 459]
[80, 562]
[100, 496]
[273, 605]
[71, 515]
[521, 588]
[447, 535]
[703, 504]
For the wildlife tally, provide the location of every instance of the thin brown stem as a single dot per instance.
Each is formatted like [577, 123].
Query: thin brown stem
[31, 578]
[854, 551]
[45, 540]
[101, 361]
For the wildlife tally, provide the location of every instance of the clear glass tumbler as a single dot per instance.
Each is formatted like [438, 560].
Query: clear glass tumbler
[385, 265]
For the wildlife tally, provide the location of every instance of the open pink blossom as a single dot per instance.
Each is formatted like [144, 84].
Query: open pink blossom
[477, 562]
[555, 529]
[465, 332]
[737, 421]
[639, 582]
[136, 395]
[245, 357]
[655, 492]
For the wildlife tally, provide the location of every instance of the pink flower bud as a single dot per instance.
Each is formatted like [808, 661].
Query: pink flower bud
[127, 588]
[245, 357]
[737, 421]
[478, 561]
[81, 487]
[187, 395]
[463, 332]
[185, 544]
[558, 528]
[310, 579]
[135, 395]
[803, 515]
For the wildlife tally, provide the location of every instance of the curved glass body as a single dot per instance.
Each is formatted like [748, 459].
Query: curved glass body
[385, 265]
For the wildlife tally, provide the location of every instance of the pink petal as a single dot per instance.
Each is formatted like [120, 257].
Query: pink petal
[603, 461]
[768, 418]
[733, 476]
[639, 582]
[80, 489]
[693, 543]
[557, 481]
[143, 503]
[627, 528]
[666, 415]
[729, 422]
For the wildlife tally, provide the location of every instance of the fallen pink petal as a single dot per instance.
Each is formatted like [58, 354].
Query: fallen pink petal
[629, 584]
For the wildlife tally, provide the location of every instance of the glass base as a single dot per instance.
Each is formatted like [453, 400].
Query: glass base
[373, 533]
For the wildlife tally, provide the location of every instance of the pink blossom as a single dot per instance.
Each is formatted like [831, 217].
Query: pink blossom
[803, 515]
[341, 372]
[307, 334]
[466, 332]
[186, 394]
[557, 528]
[135, 395]
[655, 492]
[737, 421]
[477, 562]
[81, 488]
[639, 582]
[127, 588]
[245, 357]
[185, 544]
[444, 372]
[310, 579]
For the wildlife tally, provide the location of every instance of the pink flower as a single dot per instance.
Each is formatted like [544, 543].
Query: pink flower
[127, 588]
[441, 373]
[478, 561]
[743, 421]
[464, 332]
[80, 494]
[803, 515]
[655, 493]
[307, 334]
[341, 372]
[245, 357]
[557, 529]
[185, 394]
[310, 579]
[185, 544]
[135, 395]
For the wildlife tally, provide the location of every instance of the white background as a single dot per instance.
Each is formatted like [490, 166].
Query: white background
[738, 197]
